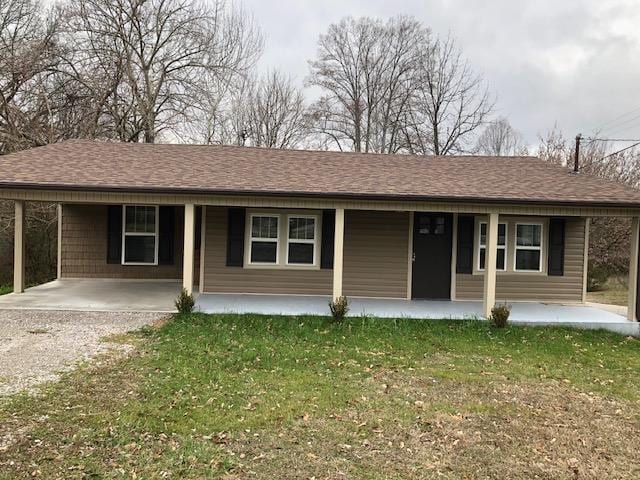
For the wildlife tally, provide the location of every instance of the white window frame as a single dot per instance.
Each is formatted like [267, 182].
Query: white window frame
[500, 247]
[313, 242]
[155, 234]
[261, 239]
[539, 248]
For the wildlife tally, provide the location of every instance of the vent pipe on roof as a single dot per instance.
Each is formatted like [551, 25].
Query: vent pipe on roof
[576, 160]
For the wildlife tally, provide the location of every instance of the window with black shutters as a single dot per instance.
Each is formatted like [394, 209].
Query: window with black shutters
[140, 235]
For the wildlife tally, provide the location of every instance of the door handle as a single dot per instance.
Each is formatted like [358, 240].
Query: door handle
[413, 257]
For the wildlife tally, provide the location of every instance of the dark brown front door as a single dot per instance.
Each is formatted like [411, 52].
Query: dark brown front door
[432, 234]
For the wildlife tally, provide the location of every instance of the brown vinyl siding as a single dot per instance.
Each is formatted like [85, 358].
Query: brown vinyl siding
[375, 254]
[512, 286]
[84, 248]
[218, 278]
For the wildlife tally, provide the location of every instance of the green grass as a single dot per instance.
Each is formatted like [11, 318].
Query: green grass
[4, 289]
[296, 397]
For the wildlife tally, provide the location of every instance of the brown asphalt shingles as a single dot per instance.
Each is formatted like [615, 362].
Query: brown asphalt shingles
[99, 165]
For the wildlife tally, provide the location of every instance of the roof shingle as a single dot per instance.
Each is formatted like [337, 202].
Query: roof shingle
[98, 165]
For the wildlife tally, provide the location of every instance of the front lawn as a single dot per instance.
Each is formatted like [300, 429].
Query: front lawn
[282, 397]
[4, 289]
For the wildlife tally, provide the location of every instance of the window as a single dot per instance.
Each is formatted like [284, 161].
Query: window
[501, 262]
[430, 225]
[140, 235]
[264, 239]
[528, 247]
[301, 241]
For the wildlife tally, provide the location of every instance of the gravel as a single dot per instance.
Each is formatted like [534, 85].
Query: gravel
[36, 345]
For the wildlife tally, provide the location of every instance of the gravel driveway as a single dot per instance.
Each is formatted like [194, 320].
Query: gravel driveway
[37, 345]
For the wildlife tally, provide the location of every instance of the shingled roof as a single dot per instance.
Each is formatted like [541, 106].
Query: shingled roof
[165, 168]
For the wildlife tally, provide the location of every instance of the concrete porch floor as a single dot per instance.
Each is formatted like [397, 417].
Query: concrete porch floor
[97, 295]
[158, 296]
[525, 313]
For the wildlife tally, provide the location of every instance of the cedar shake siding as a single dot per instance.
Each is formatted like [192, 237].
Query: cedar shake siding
[375, 260]
[511, 286]
[84, 247]
[375, 254]
[219, 278]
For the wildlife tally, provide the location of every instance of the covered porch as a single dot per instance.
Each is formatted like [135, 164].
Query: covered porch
[158, 296]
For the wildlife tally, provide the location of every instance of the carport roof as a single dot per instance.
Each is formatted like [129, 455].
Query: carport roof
[178, 168]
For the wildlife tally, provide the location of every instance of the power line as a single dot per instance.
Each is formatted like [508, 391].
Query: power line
[613, 139]
[613, 120]
[621, 150]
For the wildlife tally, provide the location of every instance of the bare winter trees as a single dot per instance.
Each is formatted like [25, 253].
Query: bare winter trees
[365, 69]
[390, 87]
[500, 138]
[147, 64]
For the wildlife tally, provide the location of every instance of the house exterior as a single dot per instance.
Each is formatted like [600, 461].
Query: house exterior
[251, 220]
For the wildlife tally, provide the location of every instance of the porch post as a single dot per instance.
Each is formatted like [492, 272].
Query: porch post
[489, 297]
[189, 244]
[59, 263]
[18, 249]
[338, 250]
[633, 269]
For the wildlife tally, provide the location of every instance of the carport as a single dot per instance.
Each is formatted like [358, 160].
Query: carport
[97, 295]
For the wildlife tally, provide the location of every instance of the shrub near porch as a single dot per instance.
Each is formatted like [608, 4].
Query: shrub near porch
[285, 397]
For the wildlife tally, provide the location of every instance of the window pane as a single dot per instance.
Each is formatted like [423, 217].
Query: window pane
[439, 230]
[424, 225]
[263, 252]
[264, 227]
[301, 228]
[500, 259]
[528, 260]
[528, 235]
[301, 253]
[502, 234]
[140, 219]
[139, 249]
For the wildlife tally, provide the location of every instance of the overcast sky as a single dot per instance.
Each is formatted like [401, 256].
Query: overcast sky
[570, 62]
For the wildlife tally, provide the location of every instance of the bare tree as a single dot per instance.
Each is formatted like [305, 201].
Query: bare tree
[147, 63]
[500, 138]
[276, 113]
[609, 236]
[29, 54]
[365, 69]
[450, 102]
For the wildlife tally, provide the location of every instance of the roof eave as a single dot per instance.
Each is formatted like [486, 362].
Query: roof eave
[329, 195]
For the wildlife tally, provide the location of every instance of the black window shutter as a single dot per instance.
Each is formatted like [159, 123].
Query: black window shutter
[166, 235]
[328, 237]
[555, 264]
[235, 237]
[114, 234]
[464, 250]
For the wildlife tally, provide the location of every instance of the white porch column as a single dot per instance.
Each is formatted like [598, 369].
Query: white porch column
[633, 269]
[189, 244]
[59, 263]
[489, 297]
[18, 249]
[338, 251]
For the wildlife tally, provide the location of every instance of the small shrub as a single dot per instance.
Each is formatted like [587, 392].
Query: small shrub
[339, 308]
[185, 302]
[500, 315]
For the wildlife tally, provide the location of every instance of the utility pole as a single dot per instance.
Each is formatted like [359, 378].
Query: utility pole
[576, 160]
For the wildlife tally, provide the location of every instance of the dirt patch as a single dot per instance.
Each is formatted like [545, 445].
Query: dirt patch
[36, 346]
